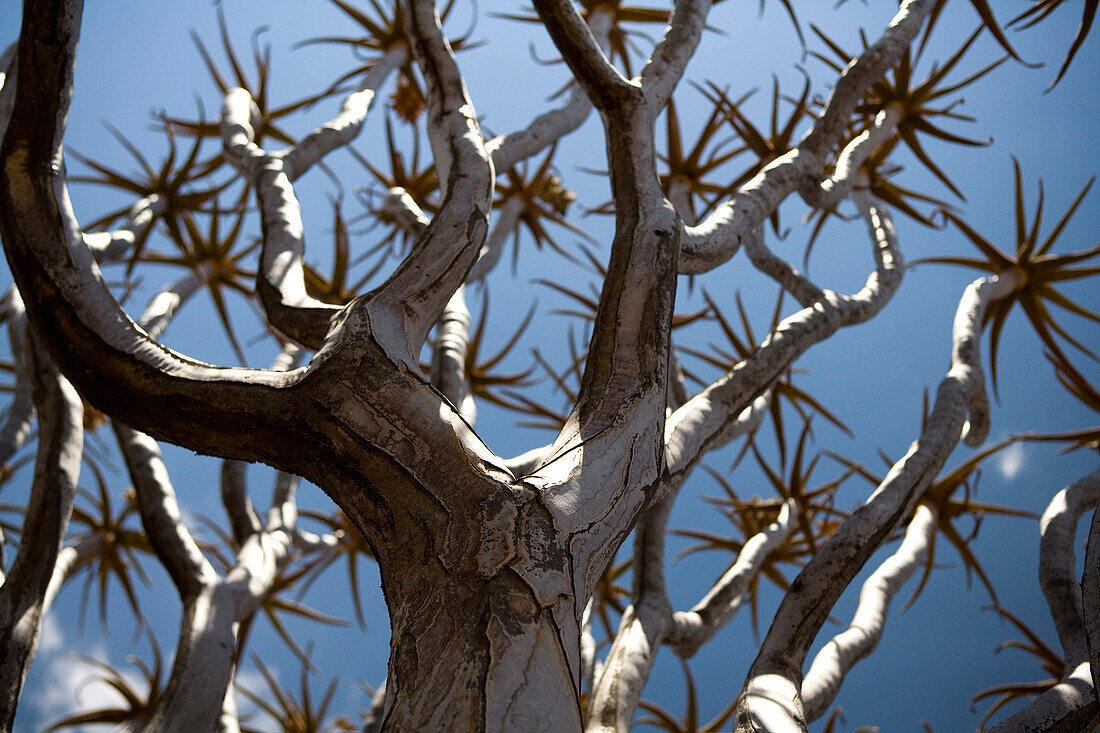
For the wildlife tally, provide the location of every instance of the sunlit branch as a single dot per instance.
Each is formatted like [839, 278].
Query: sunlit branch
[771, 695]
[398, 207]
[840, 654]
[452, 341]
[134, 378]
[670, 57]
[53, 489]
[1071, 704]
[836, 187]
[717, 608]
[549, 127]
[163, 306]
[113, 245]
[228, 720]
[160, 513]
[346, 126]
[718, 238]
[699, 426]
[642, 628]
[650, 622]
[591, 665]
[791, 280]
[1068, 706]
[604, 84]
[373, 716]
[20, 415]
[418, 291]
[280, 281]
[1057, 563]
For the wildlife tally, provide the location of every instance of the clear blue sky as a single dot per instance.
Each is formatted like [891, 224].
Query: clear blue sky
[136, 57]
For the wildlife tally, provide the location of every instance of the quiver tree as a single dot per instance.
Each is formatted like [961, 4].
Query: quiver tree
[495, 569]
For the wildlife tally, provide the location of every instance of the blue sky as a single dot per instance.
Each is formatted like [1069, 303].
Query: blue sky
[136, 57]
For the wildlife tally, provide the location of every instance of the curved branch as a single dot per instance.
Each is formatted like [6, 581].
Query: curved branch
[20, 415]
[113, 245]
[800, 287]
[603, 83]
[643, 627]
[1068, 707]
[114, 364]
[549, 127]
[281, 277]
[449, 357]
[280, 280]
[1057, 563]
[718, 238]
[418, 291]
[399, 208]
[160, 513]
[671, 55]
[840, 654]
[700, 425]
[771, 696]
[717, 608]
[832, 190]
[346, 126]
[23, 594]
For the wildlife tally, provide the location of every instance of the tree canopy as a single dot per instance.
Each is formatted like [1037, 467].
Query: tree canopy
[577, 361]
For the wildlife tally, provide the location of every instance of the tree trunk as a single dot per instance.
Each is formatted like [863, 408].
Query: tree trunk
[470, 653]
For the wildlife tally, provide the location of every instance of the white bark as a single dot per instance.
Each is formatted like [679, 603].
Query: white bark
[771, 697]
[25, 588]
[1071, 704]
[840, 654]
[115, 244]
[1057, 563]
[20, 415]
[718, 607]
[839, 185]
[718, 238]
[1068, 707]
[549, 127]
[490, 627]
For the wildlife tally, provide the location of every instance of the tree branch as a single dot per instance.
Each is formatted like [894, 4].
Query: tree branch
[717, 608]
[449, 357]
[160, 513]
[57, 466]
[418, 291]
[602, 82]
[549, 127]
[642, 628]
[1057, 563]
[771, 695]
[1071, 704]
[791, 280]
[280, 280]
[718, 238]
[840, 654]
[671, 55]
[699, 426]
[346, 126]
[115, 365]
[20, 415]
